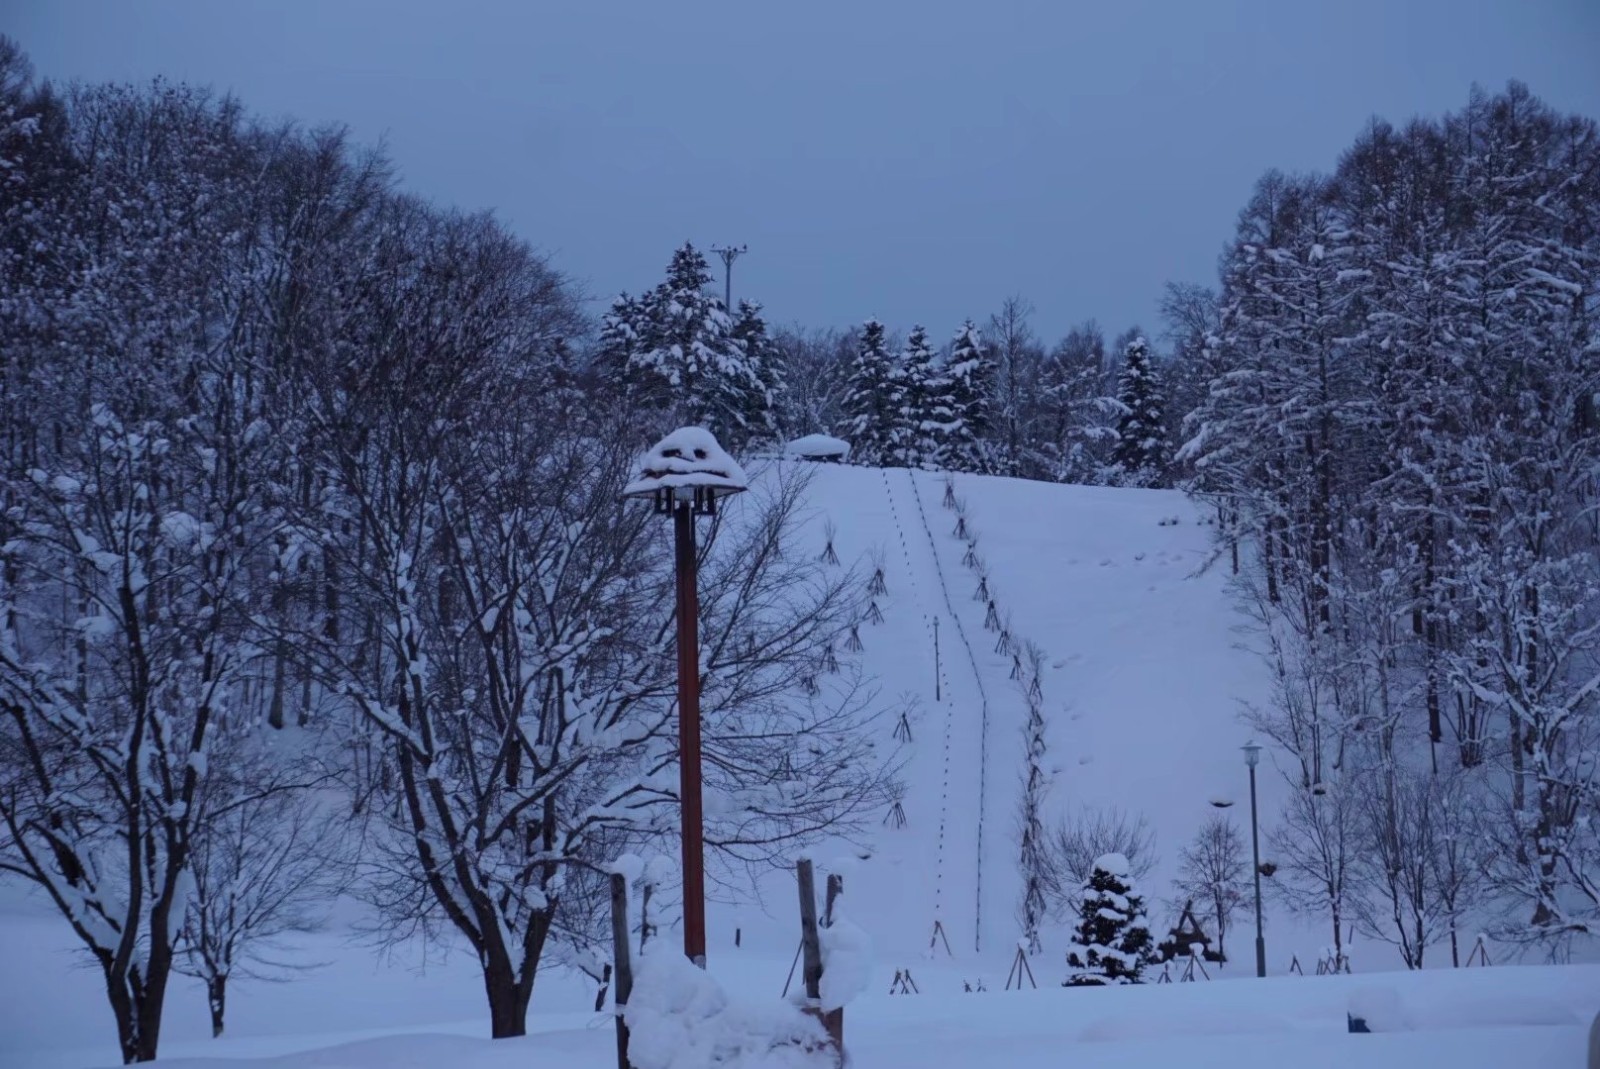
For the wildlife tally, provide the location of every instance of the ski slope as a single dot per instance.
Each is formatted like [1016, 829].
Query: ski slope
[1145, 673]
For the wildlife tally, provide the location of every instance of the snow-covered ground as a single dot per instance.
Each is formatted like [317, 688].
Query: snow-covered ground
[1143, 683]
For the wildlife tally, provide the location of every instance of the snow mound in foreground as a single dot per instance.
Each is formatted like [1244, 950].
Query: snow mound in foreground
[680, 1018]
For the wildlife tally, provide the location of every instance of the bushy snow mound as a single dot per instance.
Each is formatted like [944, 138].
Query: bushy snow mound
[846, 961]
[818, 445]
[1381, 1008]
[680, 1018]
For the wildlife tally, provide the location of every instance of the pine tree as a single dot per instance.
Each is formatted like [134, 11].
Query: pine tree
[686, 358]
[619, 339]
[869, 398]
[970, 374]
[923, 416]
[1141, 451]
[1112, 942]
[1073, 437]
[757, 400]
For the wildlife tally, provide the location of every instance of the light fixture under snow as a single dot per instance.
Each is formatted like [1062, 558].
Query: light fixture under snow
[689, 467]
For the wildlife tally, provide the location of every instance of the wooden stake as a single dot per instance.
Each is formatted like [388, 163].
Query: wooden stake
[624, 966]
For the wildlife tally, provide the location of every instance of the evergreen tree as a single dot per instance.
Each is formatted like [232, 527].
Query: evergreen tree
[970, 374]
[619, 339]
[869, 400]
[1112, 942]
[757, 400]
[1141, 451]
[686, 358]
[1074, 433]
[924, 416]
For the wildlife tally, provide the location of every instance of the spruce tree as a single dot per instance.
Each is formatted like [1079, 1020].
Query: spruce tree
[970, 374]
[869, 401]
[686, 358]
[923, 415]
[1112, 942]
[756, 400]
[619, 339]
[1141, 451]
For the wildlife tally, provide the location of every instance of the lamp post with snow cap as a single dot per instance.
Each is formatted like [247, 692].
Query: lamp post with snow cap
[684, 474]
[1252, 757]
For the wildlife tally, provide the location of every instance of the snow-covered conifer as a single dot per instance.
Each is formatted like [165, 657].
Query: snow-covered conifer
[869, 400]
[923, 416]
[970, 375]
[1141, 451]
[687, 359]
[1112, 942]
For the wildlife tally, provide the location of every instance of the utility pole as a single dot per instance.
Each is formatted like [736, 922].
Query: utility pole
[729, 253]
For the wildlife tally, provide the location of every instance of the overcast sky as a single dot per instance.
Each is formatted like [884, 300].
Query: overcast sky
[917, 161]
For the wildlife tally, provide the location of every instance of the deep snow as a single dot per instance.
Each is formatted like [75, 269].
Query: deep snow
[1144, 677]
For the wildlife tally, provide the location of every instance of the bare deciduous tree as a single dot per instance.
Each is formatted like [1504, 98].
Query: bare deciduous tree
[270, 860]
[1215, 872]
[1075, 842]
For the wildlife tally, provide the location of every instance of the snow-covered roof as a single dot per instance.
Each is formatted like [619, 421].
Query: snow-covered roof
[687, 458]
[818, 445]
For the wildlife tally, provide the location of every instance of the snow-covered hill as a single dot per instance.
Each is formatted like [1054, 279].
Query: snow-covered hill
[1143, 678]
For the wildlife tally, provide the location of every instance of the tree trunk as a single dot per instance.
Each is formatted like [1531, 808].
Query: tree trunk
[217, 999]
[137, 1008]
[275, 708]
[508, 1007]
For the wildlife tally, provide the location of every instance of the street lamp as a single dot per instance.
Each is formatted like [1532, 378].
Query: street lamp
[1252, 757]
[684, 474]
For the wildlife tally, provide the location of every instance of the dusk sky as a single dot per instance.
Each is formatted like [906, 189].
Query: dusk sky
[914, 161]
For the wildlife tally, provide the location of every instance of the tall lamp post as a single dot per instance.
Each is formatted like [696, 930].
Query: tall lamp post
[684, 474]
[1252, 757]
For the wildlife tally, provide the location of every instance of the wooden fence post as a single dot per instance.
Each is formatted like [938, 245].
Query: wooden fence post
[811, 952]
[624, 966]
[810, 945]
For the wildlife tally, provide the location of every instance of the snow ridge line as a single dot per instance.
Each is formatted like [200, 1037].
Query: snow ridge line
[983, 701]
[944, 801]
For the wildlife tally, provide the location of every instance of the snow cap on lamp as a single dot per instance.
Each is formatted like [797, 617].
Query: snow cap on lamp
[687, 464]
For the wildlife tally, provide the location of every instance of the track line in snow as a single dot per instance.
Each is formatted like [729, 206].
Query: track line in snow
[983, 701]
[944, 802]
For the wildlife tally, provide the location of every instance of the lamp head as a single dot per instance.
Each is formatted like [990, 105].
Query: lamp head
[687, 467]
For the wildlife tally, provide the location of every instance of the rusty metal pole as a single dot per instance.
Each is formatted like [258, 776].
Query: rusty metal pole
[694, 869]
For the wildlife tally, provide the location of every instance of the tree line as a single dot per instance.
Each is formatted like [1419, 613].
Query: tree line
[1399, 427]
[315, 576]
[990, 400]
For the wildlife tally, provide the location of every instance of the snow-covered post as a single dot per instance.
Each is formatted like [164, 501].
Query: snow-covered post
[810, 947]
[834, 954]
[684, 474]
[623, 962]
